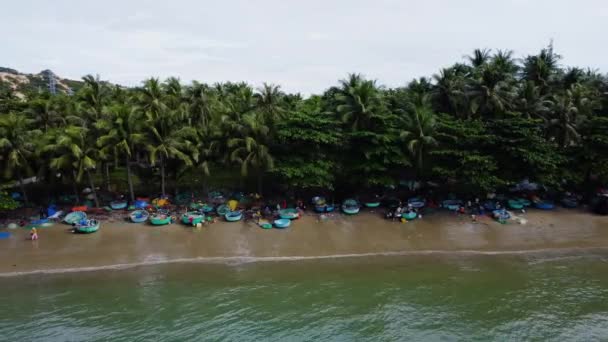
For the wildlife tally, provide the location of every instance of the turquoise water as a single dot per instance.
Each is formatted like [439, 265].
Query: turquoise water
[460, 297]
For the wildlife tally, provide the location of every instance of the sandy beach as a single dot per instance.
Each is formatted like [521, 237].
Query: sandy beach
[127, 244]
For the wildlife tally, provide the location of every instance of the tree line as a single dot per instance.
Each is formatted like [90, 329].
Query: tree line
[476, 126]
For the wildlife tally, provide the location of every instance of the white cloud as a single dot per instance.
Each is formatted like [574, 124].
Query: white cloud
[304, 46]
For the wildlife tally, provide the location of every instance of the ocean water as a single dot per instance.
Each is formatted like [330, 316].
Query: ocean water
[539, 296]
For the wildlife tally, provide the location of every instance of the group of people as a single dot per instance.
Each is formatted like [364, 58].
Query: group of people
[401, 211]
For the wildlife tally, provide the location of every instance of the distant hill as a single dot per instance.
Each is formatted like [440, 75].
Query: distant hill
[21, 83]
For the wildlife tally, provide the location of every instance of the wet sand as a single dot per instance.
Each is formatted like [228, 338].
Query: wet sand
[128, 244]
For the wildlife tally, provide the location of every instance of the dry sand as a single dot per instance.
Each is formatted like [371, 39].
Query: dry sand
[128, 244]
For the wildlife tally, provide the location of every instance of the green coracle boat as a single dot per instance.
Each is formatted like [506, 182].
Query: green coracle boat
[160, 220]
[192, 218]
[75, 217]
[289, 213]
[90, 226]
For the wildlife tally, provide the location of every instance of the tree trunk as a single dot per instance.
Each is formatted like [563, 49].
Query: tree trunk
[260, 174]
[162, 176]
[22, 186]
[176, 190]
[92, 185]
[75, 187]
[130, 180]
[106, 169]
[204, 187]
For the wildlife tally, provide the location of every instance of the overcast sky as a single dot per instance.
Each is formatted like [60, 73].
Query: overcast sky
[304, 46]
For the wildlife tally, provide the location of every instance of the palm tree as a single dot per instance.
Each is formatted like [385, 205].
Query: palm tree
[268, 102]
[479, 57]
[541, 68]
[17, 146]
[200, 103]
[531, 103]
[357, 100]
[121, 135]
[562, 122]
[73, 150]
[168, 140]
[449, 91]
[491, 91]
[44, 113]
[251, 149]
[419, 129]
[94, 95]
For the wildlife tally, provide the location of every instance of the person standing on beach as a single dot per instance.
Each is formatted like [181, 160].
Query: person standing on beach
[33, 234]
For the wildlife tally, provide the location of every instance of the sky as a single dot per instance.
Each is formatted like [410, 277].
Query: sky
[304, 46]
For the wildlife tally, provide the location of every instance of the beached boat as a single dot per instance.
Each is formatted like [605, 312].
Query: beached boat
[501, 215]
[222, 209]
[192, 218]
[416, 202]
[289, 213]
[75, 217]
[282, 223]
[411, 215]
[372, 204]
[206, 208]
[139, 216]
[515, 204]
[140, 204]
[451, 204]
[351, 207]
[569, 202]
[525, 202]
[87, 227]
[118, 205]
[264, 224]
[318, 200]
[160, 219]
[233, 216]
[544, 205]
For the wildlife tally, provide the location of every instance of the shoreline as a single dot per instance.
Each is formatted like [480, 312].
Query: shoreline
[236, 260]
[127, 245]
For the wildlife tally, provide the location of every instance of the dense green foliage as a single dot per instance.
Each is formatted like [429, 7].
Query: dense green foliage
[473, 127]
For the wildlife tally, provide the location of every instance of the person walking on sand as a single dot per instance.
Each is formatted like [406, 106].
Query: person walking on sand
[33, 234]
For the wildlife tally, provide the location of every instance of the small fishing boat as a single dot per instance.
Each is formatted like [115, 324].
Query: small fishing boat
[318, 200]
[264, 224]
[569, 202]
[525, 202]
[74, 217]
[289, 213]
[544, 205]
[416, 202]
[451, 204]
[282, 223]
[87, 226]
[411, 215]
[372, 204]
[351, 207]
[233, 216]
[206, 208]
[118, 205]
[222, 209]
[325, 208]
[501, 215]
[160, 219]
[515, 204]
[192, 218]
[139, 216]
